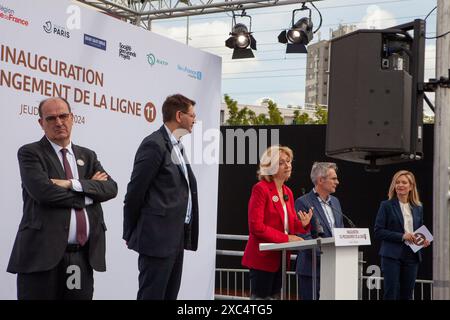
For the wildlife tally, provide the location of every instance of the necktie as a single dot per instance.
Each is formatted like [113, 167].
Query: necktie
[79, 214]
[185, 172]
[180, 145]
[182, 162]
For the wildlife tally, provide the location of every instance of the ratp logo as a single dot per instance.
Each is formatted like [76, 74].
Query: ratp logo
[151, 59]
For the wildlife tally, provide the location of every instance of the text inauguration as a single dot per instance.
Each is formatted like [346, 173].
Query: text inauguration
[49, 65]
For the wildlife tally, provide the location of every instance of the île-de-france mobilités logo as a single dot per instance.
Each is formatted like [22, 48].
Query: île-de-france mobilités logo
[195, 74]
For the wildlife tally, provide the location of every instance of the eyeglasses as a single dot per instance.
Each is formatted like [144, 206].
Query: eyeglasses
[63, 117]
[192, 115]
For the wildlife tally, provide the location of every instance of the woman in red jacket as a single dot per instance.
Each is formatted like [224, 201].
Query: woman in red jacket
[271, 218]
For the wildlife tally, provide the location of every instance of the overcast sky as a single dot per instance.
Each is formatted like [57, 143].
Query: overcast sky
[275, 74]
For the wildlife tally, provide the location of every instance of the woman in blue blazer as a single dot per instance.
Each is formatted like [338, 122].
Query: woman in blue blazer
[396, 221]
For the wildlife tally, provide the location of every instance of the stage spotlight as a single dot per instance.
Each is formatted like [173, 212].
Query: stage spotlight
[300, 33]
[241, 38]
[298, 36]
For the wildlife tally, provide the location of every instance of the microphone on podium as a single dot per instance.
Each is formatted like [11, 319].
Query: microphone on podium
[316, 228]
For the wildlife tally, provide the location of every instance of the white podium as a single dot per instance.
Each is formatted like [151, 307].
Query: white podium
[339, 272]
[338, 266]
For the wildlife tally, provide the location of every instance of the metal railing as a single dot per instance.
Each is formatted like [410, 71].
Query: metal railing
[374, 292]
[235, 283]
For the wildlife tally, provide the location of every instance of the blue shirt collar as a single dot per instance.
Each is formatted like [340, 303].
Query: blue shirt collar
[328, 200]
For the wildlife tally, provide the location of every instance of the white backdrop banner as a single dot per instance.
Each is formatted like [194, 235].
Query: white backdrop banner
[116, 77]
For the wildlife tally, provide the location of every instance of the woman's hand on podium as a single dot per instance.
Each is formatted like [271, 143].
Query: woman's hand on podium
[293, 237]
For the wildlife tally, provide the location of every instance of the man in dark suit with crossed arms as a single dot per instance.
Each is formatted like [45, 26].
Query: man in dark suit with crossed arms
[161, 208]
[61, 237]
[327, 214]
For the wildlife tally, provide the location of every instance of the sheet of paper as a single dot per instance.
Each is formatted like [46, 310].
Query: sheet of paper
[423, 233]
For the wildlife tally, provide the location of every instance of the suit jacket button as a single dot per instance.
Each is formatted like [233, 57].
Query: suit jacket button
[66, 228]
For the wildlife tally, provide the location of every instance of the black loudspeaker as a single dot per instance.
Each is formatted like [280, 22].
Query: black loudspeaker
[375, 107]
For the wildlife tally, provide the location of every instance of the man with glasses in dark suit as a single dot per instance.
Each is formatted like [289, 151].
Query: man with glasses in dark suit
[61, 237]
[161, 208]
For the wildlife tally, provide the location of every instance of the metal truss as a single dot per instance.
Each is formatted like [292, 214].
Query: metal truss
[142, 12]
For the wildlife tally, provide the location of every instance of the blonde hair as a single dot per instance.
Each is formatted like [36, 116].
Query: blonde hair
[413, 196]
[269, 162]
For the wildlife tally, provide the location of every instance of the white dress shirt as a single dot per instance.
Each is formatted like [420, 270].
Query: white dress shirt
[326, 207]
[180, 160]
[286, 219]
[407, 217]
[76, 186]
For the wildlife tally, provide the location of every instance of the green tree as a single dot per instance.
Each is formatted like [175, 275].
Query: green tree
[236, 117]
[275, 116]
[320, 115]
[243, 115]
[261, 119]
[301, 118]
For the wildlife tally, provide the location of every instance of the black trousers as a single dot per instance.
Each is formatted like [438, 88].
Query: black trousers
[71, 279]
[400, 275]
[305, 286]
[265, 284]
[160, 278]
